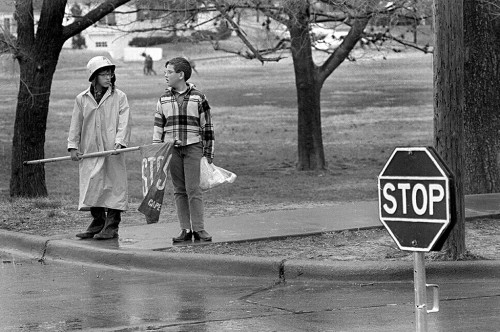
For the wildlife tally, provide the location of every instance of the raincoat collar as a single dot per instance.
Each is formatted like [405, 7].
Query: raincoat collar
[89, 92]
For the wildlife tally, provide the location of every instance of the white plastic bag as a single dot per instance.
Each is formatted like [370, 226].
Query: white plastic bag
[212, 176]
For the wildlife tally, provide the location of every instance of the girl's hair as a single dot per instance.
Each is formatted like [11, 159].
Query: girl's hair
[181, 64]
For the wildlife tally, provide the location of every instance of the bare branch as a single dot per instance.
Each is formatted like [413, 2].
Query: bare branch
[255, 53]
[426, 49]
[495, 7]
[7, 41]
[350, 40]
[91, 17]
[250, 56]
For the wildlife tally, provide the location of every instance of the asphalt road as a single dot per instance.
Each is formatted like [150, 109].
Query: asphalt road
[61, 296]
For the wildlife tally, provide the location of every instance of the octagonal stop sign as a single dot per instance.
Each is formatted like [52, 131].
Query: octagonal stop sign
[416, 198]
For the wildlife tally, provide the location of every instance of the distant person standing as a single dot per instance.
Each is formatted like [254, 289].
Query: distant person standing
[149, 61]
[148, 64]
[145, 68]
[183, 116]
[100, 122]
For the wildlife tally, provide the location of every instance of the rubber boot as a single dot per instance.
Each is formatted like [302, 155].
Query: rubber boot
[97, 224]
[110, 230]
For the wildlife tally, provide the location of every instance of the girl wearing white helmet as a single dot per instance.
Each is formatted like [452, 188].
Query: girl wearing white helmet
[100, 122]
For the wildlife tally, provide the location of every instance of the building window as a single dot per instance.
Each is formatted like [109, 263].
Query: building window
[101, 44]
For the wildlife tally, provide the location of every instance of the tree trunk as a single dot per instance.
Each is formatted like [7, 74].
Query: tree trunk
[37, 62]
[482, 98]
[310, 139]
[30, 125]
[448, 106]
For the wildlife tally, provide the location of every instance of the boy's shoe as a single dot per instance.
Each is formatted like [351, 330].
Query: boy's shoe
[184, 235]
[202, 236]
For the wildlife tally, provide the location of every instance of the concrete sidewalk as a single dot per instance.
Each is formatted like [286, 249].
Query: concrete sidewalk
[138, 246]
[276, 224]
[258, 226]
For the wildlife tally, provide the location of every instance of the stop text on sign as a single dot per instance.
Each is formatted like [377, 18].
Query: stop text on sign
[413, 198]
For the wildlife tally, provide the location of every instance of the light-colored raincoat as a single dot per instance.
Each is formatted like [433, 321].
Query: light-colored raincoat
[103, 180]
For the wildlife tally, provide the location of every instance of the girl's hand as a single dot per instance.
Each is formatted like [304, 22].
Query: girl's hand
[117, 146]
[75, 155]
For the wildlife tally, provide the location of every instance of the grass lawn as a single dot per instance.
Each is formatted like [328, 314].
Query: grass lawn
[369, 107]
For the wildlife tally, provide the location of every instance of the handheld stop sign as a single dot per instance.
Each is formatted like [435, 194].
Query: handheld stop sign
[417, 198]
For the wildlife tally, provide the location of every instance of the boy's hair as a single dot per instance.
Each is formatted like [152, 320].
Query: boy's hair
[181, 64]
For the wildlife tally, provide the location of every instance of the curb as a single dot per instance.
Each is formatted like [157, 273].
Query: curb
[32, 245]
[44, 248]
[384, 271]
[163, 262]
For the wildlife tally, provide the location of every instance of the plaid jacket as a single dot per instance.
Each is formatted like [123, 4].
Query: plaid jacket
[188, 121]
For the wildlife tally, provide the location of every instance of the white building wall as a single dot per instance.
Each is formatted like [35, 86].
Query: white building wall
[134, 53]
[107, 42]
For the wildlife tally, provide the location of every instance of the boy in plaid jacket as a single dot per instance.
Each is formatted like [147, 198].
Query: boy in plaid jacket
[183, 116]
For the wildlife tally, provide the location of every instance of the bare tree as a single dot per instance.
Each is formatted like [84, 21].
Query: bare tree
[37, 53]
[298, 16]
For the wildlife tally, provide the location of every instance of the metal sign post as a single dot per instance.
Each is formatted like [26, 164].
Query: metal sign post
[420, 291]
[416, 201]
[420, 285]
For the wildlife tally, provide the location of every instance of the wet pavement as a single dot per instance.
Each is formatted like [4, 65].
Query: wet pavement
[129, 284]
[59, 296]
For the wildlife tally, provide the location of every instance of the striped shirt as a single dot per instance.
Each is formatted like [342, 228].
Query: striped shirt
[185, 118]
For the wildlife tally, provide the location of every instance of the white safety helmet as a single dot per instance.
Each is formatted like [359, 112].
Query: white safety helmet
[97, 63]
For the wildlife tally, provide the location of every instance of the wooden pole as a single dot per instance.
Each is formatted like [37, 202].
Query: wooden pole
[88, 155]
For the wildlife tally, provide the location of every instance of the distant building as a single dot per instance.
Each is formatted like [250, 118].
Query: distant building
[111, 34]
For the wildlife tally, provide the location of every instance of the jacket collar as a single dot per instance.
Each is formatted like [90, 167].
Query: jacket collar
[190, 87]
